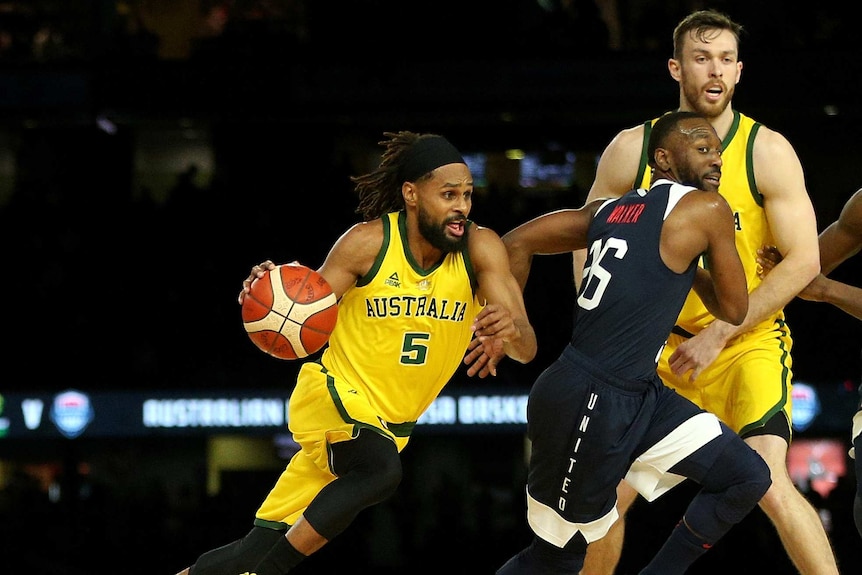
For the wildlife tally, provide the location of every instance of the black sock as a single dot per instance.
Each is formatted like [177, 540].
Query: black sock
[281, 558]
[677, 554]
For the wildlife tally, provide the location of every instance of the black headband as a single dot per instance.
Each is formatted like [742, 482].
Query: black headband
[427, 154]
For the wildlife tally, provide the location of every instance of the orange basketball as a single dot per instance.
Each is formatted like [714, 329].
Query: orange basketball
[290, 311]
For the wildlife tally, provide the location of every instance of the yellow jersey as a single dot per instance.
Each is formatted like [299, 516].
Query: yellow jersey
[402, 330]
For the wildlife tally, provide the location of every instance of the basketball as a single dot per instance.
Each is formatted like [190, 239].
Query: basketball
[290, 311]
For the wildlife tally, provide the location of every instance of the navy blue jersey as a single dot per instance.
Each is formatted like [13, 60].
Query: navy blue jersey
[629, 299]
[600, 412]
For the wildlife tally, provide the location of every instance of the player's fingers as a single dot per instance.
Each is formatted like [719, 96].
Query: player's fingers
[260, 269]
[493, 324]
[477, 366]
[677, 365]
[246, 288]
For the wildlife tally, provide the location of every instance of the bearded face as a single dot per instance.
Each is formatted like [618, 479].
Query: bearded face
[437, 233]
[708, 97]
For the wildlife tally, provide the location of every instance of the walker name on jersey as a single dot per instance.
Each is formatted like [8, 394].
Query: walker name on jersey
[416, 306]
[625, 214]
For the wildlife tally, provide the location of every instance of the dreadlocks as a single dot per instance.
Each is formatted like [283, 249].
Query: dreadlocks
[408, 157]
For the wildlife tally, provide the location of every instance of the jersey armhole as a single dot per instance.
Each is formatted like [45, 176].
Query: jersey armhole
[749, 165]
[644, 164]
[468, 265]
[378, 261]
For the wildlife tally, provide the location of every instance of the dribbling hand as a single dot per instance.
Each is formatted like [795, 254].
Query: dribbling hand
[256, 272]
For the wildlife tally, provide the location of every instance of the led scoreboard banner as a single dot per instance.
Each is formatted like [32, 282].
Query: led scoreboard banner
[820, 409]
[78, 413]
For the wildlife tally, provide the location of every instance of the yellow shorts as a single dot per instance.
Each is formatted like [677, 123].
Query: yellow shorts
[749, 382]
[323, 410]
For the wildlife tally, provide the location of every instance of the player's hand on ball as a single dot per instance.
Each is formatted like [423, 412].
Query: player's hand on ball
[256, 272]
[289, 311]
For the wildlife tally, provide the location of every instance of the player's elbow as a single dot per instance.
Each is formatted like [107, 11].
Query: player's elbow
[514, 245]
[736, 315]
[732, 306]
[735, 309]
[810, 270]
[802, 265]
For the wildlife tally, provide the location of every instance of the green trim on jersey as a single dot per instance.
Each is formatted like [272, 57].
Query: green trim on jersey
[274, 525]
[644, 164]
[378, 261]
[749, 156]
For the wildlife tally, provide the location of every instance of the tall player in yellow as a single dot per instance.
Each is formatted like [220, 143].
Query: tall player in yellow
[740, 373]
[416, 281]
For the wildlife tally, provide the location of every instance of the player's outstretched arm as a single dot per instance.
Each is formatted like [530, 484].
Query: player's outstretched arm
[842, 239]
[823, 289]
[556, 232]
[502, 327]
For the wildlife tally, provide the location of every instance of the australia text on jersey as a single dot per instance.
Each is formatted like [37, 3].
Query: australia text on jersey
[416, 306]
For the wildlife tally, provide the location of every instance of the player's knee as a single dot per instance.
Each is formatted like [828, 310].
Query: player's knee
[385, 477]
[372, 463]
[746, 478]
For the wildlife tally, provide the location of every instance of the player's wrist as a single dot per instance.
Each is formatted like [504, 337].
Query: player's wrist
[722, 331]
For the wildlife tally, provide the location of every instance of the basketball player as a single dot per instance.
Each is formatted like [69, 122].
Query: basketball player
[742, 373]
[600, 412]
[415, 282]
[839, 241]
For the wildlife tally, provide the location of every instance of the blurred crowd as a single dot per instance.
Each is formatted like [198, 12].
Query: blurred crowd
[55, 31]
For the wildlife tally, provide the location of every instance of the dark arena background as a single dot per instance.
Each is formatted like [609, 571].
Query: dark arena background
[152, 151]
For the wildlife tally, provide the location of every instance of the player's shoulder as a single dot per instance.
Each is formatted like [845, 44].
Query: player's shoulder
[365, 231]
[701, 206]
[628, 138]
[477, 228]
[363, 239]
[619, 164]
[481, 236]
[484, 244]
